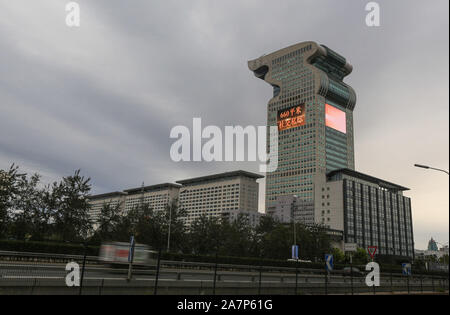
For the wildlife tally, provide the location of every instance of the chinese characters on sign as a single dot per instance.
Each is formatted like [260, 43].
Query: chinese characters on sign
[291, 117]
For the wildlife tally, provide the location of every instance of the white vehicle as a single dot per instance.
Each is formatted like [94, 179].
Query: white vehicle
[117, 253]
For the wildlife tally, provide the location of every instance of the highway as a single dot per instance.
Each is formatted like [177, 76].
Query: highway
[49, 278]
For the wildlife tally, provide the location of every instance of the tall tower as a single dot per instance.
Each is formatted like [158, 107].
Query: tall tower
[313, 109]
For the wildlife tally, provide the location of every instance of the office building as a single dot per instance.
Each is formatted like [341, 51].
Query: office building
[156, 196]
[226, 195]
[219, 194]
[313, 109]
[288, 208]
[253, 217]
[113, 199]
[370, 211]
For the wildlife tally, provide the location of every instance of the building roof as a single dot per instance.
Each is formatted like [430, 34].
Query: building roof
[107, 195]
[220, 176]
[380, 182]
[132, 191]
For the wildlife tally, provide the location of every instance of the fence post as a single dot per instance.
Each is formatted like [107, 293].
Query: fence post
[83, 268]
[351, 276]
[407, 282]
[155, 290]
[260, 276]
[421, 283]
[100, 289]
[432, 282]
[34, 285]
[215, 277]
[392, 284]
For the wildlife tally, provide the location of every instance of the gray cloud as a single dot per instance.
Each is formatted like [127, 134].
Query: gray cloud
[104, 97]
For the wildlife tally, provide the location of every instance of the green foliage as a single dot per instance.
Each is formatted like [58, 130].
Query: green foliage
[30, 212]
[360, 257]
[338, 256]
[60, 212]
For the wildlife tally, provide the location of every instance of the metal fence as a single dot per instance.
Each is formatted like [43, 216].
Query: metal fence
[36, 273]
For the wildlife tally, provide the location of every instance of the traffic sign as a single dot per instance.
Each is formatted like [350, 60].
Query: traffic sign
[350, 247]
[406, 269]
[295, 252]
[372, 250]
[329, 262]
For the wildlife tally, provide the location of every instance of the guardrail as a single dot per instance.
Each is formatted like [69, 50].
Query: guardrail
[195, 278]
[63, 258]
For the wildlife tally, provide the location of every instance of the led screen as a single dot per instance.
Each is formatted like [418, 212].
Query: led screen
[291, 117]
[335, 118]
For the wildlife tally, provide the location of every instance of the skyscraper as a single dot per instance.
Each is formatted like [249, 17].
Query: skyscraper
[313, 109]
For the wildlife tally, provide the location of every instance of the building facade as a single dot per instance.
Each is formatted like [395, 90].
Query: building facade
[225, 195]
[113, 199]
[156, 196]
[286, 209]
[219, 195]
[313, 109]
[370, 211]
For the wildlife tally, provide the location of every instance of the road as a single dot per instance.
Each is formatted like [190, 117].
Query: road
[43, 278]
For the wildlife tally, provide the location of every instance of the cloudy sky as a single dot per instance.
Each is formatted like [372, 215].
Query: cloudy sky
[103, 97]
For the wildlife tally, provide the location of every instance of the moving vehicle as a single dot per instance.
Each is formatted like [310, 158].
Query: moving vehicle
[116, 254]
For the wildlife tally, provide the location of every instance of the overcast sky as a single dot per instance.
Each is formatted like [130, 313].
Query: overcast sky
[103, 97]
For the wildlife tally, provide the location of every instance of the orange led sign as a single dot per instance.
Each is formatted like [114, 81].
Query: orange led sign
[291, 117]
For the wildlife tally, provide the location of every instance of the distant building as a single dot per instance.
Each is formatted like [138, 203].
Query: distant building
[286, 209]
[432, 245]
[253, 217]
[219, 194]
[156, 196]
[224, 195]
[113, 199]
[421, 254]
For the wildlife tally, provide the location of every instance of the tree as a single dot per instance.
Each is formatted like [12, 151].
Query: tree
[360, 257]
[71, 215]
[9, 187]
[107, 222]
[25, 214]
[238, 238]
[338, 255]
[205, 235]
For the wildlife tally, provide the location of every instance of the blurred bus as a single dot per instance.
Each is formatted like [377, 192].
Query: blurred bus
[116, 254]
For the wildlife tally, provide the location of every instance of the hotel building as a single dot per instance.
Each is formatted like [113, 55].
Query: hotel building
[225, 195]
[219, 195]
[313, 107]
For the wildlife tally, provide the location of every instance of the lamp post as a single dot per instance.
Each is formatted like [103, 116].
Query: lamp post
[430, 168]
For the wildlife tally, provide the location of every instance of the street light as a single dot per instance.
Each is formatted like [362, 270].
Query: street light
[430, 168]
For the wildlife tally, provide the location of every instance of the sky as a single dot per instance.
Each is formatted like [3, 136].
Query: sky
[103, 97]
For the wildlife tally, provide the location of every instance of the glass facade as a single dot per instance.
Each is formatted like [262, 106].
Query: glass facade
[375, 216]
[311, 75]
